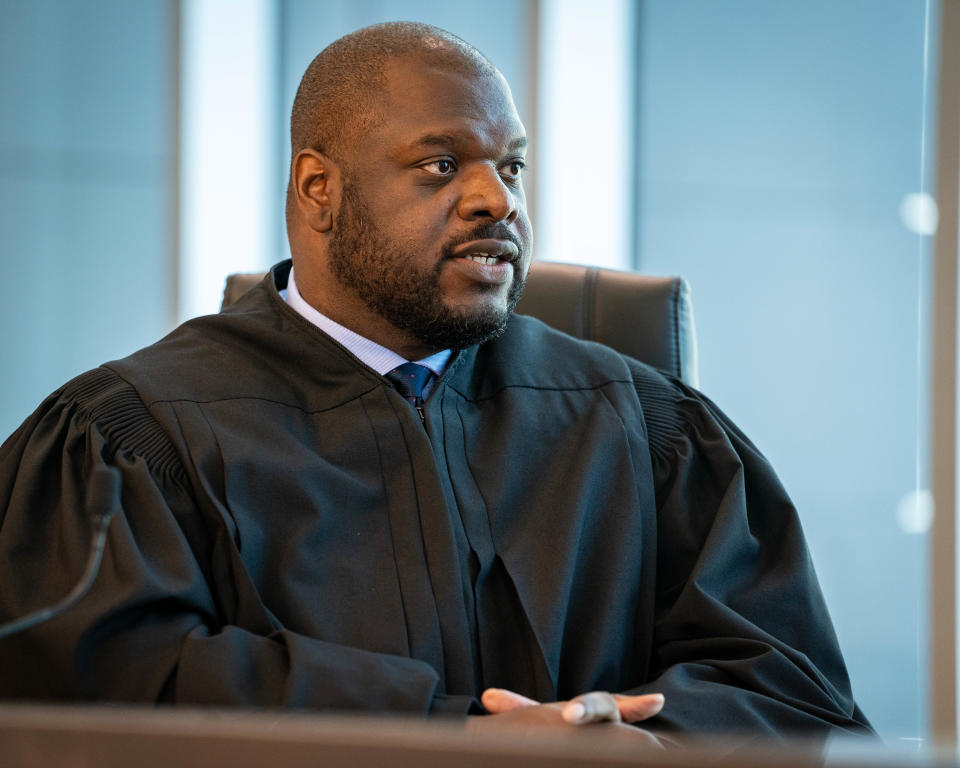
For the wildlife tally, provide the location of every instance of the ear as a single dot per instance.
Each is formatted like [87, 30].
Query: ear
[315, 179]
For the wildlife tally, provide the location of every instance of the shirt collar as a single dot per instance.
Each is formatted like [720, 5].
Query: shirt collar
[377, 357]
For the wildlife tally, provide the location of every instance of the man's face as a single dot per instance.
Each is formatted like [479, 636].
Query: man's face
[432, 233]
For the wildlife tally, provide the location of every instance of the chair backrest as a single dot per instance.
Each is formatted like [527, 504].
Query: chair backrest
[648, 318]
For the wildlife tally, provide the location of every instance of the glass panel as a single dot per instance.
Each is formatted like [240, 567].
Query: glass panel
[227, 142]
[779, 144]
[584, 166]
[86, 158]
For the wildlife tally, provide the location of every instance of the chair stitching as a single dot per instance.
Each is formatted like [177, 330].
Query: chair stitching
[577, 329]
[590, 280]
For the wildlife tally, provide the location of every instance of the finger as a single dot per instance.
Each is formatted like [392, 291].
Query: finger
[633, 709]
[497, 700]
[590, 708]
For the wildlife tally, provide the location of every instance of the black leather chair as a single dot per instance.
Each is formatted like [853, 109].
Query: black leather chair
[648, 318]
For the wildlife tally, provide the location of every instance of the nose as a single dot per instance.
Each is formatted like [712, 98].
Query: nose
[486, 196]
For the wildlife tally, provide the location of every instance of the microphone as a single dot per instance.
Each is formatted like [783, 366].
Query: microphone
[103, 493]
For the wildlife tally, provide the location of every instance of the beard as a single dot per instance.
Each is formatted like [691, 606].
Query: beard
[384, 274]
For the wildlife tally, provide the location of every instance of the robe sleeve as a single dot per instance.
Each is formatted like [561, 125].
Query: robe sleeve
[150, 629]
[742, 637]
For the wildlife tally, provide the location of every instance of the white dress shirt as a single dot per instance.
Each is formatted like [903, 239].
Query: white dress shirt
[381, 359]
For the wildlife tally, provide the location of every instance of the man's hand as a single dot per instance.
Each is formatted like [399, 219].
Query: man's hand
[610, 711]
[587, 708]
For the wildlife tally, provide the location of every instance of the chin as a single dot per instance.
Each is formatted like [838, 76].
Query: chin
[480, 307]
[458, 329]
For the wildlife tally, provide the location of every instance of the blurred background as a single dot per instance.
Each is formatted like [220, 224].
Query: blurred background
[775, 154]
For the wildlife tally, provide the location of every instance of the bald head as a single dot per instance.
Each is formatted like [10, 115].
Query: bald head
[341, 93]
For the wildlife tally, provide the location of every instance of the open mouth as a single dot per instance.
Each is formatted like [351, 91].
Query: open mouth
[488, 251]
[490, 261]
[483, 258]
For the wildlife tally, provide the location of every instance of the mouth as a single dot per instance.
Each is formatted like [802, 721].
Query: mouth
[482, 258]
[487, 262]
[488, 251]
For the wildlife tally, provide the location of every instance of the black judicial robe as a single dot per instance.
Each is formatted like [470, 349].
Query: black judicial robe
[289, 534]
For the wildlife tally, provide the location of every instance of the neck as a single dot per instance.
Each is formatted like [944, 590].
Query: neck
[345, 308]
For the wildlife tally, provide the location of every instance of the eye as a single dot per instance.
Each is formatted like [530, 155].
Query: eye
[513, 169]
[442, 167]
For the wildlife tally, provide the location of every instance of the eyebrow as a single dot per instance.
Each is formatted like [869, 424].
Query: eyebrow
[445, 139]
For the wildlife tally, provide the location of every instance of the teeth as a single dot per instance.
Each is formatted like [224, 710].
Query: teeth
[482, 258]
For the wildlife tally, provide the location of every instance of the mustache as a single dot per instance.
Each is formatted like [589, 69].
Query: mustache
[489, 231]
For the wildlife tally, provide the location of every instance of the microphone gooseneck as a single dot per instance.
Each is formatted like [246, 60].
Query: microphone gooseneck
[103, 493]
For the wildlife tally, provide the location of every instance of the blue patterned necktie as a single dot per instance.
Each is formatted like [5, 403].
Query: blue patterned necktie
[410, 379]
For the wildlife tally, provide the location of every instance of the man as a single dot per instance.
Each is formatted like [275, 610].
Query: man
[524, 525]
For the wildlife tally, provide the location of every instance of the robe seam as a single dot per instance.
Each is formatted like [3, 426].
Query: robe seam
[636, 641]
[475, 609]
[552, 674]
[393, 542]
[476, 485]
[442, 675]
[222, 492]
[539, 388]
[623, 426]
[175, 400]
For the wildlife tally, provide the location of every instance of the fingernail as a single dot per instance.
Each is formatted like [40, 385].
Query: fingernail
[574, 712]
[658, 701]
